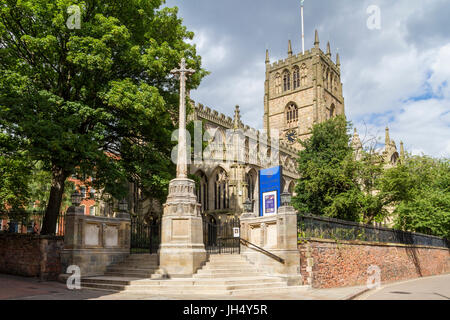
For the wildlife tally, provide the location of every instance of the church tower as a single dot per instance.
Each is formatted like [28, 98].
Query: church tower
[300, 91]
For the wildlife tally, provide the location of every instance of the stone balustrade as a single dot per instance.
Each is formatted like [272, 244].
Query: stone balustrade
[277, 235]
[93, 243]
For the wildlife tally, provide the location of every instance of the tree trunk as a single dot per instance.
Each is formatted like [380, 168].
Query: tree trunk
[54, 202]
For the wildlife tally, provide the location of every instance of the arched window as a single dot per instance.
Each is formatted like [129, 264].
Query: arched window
[277, 83]
[202, 190]
[303, 75]
[221, 196]
[251, 179]
[332, 111]
[296, 76]
[331, 81]
[286, 81]
[83, 192]
[291, 114]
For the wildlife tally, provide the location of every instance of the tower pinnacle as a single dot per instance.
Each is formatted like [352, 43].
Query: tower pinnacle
[237, 118]
[289, 48]
[316, 39]
[328, 50]
[267, 56]
[387, 139]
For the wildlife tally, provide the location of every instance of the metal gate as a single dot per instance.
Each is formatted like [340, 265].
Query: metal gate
[145, 237]
[220, 237]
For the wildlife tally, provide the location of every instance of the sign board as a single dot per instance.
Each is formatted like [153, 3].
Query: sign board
[236, 233]
[269, 191]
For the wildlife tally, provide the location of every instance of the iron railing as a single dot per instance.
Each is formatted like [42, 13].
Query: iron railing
[267, 253]
[30, 222]
[145, 237]
[219, 238]
[310, 226]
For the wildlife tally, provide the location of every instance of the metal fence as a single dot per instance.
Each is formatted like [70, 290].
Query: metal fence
[219, 236]
[145, 237]
[335, 229]
[31, 222]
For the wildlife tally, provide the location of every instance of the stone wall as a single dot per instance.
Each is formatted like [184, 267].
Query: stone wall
[327, 264]
[93, 243]
[31, 255]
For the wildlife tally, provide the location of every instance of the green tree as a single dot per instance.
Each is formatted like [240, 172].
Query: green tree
[98, 100]
[420, 188]
[326, 172]
[15, 172]
[332, 182]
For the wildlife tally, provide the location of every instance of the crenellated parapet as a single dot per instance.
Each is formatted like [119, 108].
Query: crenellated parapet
[287, 153]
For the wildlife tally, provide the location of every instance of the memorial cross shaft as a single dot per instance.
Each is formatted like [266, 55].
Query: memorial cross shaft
[182, 72]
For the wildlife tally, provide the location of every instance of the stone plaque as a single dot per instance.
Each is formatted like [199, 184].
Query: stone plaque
[271, 232]
[111, 236]
[91, 234]
[255, 235]
[180, 228]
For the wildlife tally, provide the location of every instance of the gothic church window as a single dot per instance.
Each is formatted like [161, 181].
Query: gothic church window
[296, 76]
[286, 81]
[202, 191]
[291, 114]
[277, 83]
[303, 75]
[221, 196]
[332, 111]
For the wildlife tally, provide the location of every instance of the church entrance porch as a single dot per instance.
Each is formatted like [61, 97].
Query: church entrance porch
[221, 237]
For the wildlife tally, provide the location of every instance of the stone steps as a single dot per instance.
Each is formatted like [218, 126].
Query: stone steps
[222, 274]
[195, 288]
[179, 282]
[122, 267]
[201, 290]
[129, 274]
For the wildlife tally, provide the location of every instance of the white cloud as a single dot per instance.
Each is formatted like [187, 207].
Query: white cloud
[384, 72]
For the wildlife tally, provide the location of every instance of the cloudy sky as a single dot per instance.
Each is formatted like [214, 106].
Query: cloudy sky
[397, 75]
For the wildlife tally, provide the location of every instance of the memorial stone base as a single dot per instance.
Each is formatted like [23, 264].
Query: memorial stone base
[182, 251]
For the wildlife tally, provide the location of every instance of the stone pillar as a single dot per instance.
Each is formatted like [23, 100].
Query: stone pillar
[182, 251]
[276, 234]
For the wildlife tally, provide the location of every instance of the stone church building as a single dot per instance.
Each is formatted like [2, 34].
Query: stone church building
[300, 91]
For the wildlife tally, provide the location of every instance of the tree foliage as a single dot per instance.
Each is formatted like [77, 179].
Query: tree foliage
[332, 182]
[98, 100]
[420, 188]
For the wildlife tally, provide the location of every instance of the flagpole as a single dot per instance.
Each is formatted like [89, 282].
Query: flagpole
[303, 29]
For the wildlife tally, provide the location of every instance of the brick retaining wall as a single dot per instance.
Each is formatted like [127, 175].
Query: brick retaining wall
[327, 264]
[31, 255]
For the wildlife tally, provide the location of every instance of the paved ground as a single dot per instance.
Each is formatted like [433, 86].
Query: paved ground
[428, 288]
[20, 288]
[434, 288]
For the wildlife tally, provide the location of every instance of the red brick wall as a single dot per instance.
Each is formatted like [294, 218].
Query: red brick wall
[31, 255]
[328, 264]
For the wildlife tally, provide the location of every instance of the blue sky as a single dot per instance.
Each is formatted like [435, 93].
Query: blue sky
[396, 76]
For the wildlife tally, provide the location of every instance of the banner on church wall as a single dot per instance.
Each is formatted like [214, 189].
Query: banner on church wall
[269, 191]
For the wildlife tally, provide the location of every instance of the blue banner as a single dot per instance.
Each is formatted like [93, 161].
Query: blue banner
[269, 190]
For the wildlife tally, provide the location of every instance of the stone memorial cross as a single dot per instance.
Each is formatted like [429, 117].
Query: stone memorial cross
[182, 148]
